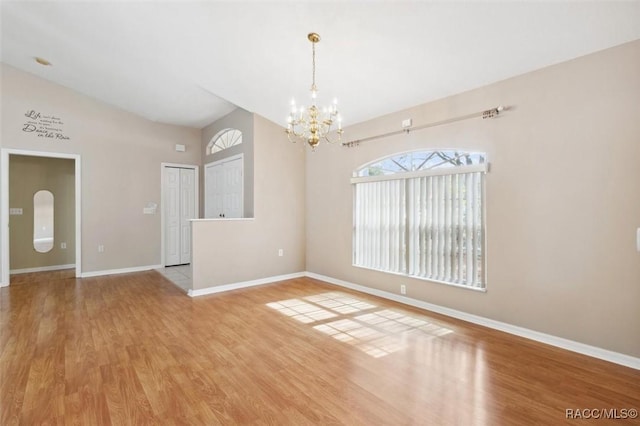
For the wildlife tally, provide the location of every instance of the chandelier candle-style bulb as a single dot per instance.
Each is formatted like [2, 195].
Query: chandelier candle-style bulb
[314, 124]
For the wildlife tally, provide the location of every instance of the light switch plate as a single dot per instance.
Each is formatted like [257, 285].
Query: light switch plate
[15, 211]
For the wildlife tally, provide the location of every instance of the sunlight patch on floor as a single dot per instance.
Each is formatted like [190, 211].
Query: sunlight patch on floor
[339, 302]
[301, 311]
[341, 316]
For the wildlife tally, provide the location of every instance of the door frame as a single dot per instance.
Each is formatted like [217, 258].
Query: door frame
[218, 162]
[4, 205]
[162, 201]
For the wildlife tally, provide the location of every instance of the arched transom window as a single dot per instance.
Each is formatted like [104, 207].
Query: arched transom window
[420, 160]
[224, 139]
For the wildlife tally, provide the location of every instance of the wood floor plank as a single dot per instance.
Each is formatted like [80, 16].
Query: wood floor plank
[134, 349]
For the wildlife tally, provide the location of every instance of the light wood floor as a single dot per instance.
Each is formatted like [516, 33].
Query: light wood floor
[134, 349]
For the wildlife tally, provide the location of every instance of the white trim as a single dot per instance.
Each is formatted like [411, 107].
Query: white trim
[4, 206]
[78, 176]
[484, 167]
[224, 160]
[180, 165]
[120, 271]
[196, 201]
[42, 269]
[244, 284]
[581, 348]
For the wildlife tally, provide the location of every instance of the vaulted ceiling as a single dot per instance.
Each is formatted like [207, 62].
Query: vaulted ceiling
[190, 63]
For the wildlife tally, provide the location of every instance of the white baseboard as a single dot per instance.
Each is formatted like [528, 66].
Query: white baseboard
[581, 348]
[244, 284]
[119, 271]
[42, 269]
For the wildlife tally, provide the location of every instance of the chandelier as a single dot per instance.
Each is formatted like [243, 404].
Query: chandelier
[313, 124]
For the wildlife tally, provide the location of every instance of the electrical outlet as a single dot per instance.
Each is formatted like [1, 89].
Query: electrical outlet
[100, 248]
[63, 245]
[403, 289]
[280, 252]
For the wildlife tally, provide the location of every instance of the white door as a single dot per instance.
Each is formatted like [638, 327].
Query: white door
[224, 186]
[233, 188]
[187, 212]
[172, 215]
[179, 207]
[214, 186]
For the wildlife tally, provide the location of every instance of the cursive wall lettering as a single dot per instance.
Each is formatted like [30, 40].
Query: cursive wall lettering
[44, 126]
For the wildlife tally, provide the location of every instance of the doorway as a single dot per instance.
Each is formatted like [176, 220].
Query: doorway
[58, 245]
[224, 188]
[178, 206]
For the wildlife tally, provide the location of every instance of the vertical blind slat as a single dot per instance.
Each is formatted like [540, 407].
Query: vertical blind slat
[422, 229]
[447, 229]
[434, 229]
[479, 237]
[469, 231]
[440, 228]
[433, 249]
[461, 225]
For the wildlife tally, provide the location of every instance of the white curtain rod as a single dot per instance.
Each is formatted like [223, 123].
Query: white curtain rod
[489, 113]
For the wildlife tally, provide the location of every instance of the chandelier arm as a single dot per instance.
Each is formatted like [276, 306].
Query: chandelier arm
[339, 133]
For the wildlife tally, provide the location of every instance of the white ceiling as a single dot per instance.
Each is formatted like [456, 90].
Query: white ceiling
[190, 63]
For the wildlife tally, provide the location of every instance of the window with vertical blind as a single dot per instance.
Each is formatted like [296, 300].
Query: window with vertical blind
[421, 214]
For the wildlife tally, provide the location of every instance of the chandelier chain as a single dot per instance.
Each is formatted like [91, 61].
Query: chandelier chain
[313, 63]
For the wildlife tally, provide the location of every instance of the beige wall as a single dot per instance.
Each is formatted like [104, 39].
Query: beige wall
[231, 251]
[28, 175]
[120, 154]
[563, 199]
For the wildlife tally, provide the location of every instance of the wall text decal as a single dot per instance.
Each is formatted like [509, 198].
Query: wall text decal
[45, 126]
